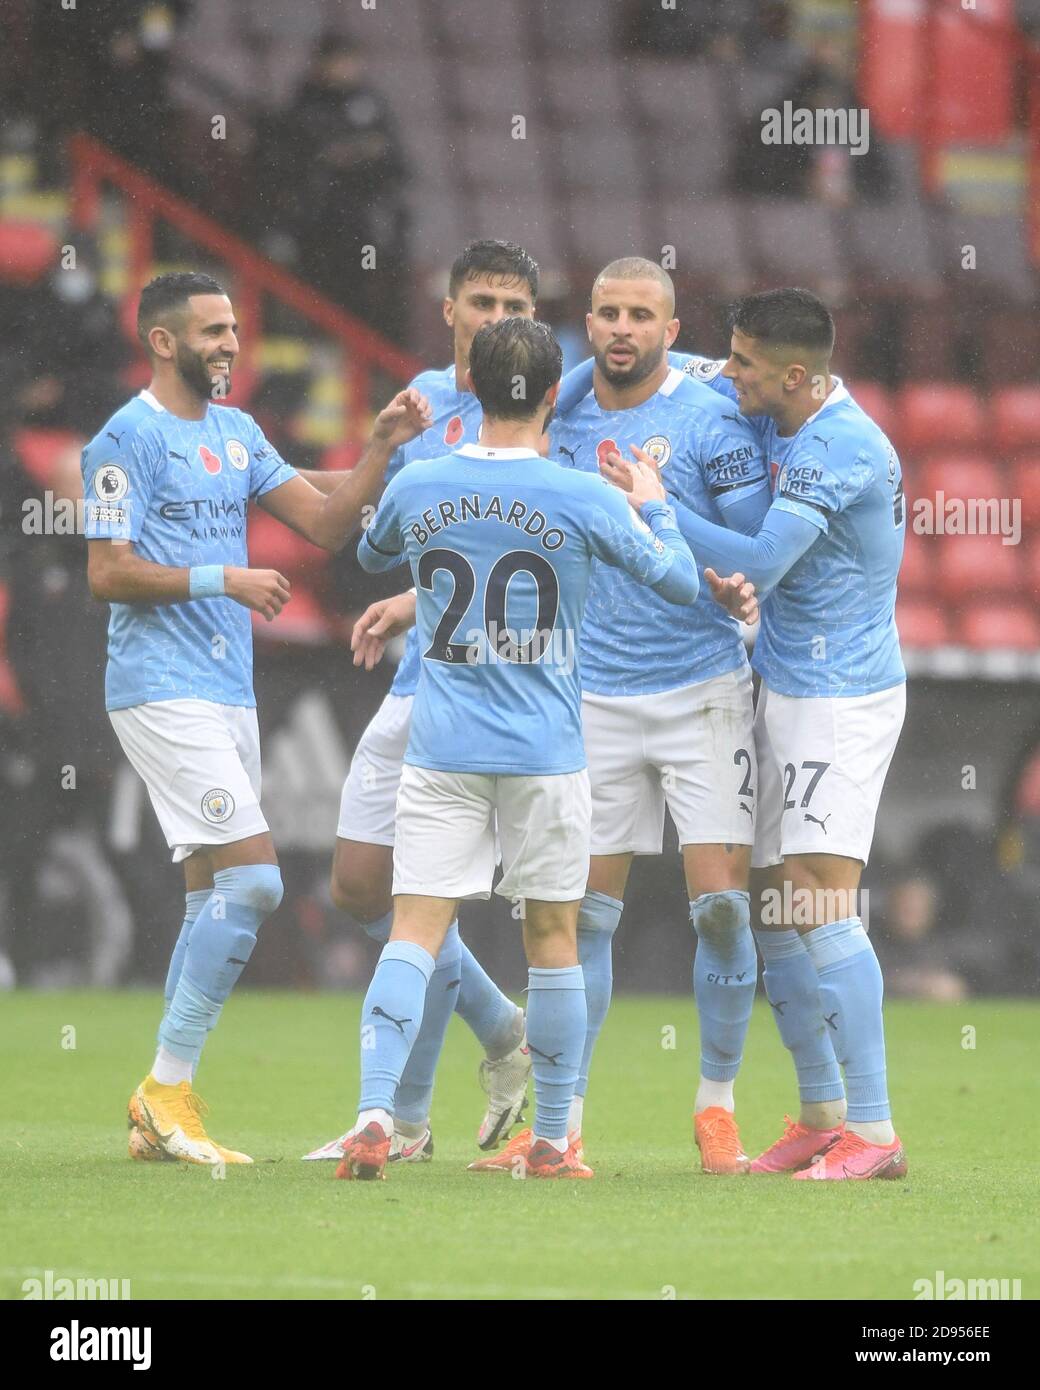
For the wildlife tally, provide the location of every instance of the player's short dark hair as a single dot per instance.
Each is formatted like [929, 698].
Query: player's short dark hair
[493, 258]
[795, 318]
[513, 363]
[168, 294]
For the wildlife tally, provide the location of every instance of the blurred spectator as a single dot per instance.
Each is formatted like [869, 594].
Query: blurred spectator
[829, 174]
[913, 952]
[64, 348]
[335, 170]
[102, 67]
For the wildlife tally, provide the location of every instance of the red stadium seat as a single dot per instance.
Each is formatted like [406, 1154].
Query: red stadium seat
[340, 458]
[39, 450]
[1016, 418]
[876, 400]
[27, 251]
[970, 566]
[937, 415]
[1024, 483]
[1006, 625]
[273, 546]
[960, 475]
[922, 623]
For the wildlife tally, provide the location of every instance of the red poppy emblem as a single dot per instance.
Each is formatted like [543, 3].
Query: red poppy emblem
[605, 447]
[453, 430]
[774, 469]
[210, 461]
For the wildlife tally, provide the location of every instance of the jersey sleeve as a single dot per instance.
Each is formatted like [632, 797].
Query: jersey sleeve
[118, 483]
[763, 558]
[732, 461]
[651, 550]
[381, 546]
[814, 486]
[267, 468]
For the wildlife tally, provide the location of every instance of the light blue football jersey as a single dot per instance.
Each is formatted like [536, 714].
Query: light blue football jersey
[179, 490]
[634, 643]
[456, 421]
[829, 627]
[501, 543]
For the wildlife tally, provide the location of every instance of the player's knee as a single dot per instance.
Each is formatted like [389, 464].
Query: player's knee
[720, 919]
[257, 887]
[357, 896]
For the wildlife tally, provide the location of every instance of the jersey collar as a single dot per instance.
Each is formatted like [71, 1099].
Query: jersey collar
[840, 392]
[478, 451]
[149, 399]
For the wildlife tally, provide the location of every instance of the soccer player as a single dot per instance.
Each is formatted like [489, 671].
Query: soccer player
[829, 715]
[501, 542]
[489, 281]
[167, 484]
[666, 693]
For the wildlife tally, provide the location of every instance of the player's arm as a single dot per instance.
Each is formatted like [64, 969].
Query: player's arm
[117, 574]
[329, 521]
[648, 544]
[381, 547]
[386, 618]
[783, 538]
[326, 481]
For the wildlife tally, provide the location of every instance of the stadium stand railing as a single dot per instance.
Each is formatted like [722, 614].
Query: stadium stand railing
[148, 202]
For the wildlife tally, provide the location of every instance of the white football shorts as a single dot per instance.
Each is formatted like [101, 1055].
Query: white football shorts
[691, 749]
[446, 847]
[822, 764]
[201, 764]
[369, 799]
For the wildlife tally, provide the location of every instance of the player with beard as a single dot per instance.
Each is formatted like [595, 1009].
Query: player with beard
[666, 692]
[167, 482]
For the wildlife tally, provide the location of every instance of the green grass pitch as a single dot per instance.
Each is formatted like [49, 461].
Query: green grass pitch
[280, 1076]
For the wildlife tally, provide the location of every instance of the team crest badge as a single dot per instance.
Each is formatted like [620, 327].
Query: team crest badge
[210, 461]
[111, 482]
[453, 430]
[237, 454]
[218, 806]
[659, 448]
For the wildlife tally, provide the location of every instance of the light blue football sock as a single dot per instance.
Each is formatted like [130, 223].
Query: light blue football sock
[725, 971]
[556, 1026]
[415, 1093]
[793, 990]
[194, 902]
[219, 946]
[852, 992]
[598, 919]
[390, 1020]
[492, 1015]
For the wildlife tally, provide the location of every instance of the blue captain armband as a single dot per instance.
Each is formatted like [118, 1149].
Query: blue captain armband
[206, 581]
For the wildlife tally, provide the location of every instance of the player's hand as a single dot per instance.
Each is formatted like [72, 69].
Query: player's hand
[380, 621]
[736, 594]
[264, 591]
[622, 474]
[407, 415]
